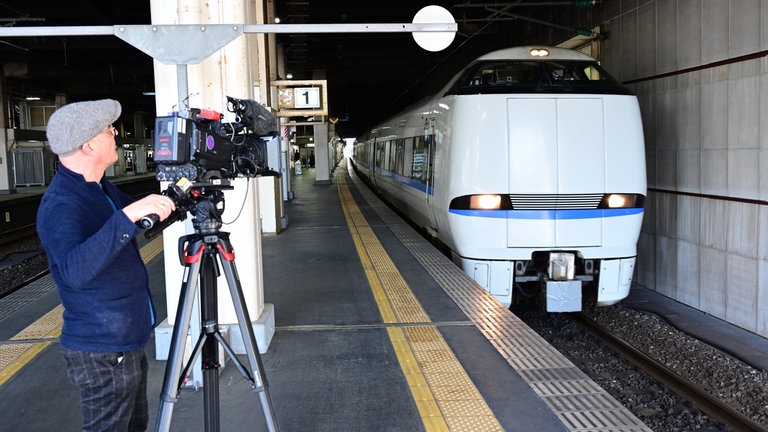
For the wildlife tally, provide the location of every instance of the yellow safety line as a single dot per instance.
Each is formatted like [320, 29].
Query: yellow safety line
[445, 396]
[14, 356]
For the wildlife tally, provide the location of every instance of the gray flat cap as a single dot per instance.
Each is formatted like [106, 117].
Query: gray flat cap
[75, 124]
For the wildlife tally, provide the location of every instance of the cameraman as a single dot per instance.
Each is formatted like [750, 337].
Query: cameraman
[87, 228]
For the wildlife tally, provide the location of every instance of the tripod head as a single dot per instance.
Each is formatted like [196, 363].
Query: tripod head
[203, 200]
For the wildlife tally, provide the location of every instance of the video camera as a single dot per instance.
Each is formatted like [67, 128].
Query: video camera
[199, 154]
[196, 144]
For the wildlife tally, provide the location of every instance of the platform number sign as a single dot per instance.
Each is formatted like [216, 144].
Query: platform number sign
[302, 98]
[306, 97]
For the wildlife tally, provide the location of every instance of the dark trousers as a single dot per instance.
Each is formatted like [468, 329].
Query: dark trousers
[113, 389]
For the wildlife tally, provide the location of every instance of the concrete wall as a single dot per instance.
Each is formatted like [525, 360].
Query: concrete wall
[705, 235]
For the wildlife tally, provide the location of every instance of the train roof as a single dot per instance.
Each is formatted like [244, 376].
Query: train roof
[534, 52]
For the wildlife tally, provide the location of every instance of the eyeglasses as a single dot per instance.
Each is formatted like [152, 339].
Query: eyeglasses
[110, 130]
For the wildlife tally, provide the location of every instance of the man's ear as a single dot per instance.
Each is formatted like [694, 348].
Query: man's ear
[88, 147]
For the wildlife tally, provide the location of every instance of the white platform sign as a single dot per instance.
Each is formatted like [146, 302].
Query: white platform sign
[306, 97]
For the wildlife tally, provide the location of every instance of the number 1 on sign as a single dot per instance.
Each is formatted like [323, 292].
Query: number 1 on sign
[306, 97]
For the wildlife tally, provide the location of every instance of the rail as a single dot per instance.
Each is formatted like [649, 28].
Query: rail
[715, 408]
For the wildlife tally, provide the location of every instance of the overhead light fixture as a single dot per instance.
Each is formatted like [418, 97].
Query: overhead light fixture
[32, 98]
[289, 76]
[433, 41]
[148, 93]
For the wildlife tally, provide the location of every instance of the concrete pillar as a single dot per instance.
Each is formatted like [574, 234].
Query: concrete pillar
[228, 72]
[6, 186]
[322, 167]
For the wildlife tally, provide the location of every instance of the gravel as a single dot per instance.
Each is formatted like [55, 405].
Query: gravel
[727, 378]
[20, 261]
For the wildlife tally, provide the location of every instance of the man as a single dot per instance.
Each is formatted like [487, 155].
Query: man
[88, 228]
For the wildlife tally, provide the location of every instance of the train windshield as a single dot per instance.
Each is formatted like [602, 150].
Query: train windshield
[522, 76]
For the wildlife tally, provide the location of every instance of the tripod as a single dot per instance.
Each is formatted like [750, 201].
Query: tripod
[199, 259]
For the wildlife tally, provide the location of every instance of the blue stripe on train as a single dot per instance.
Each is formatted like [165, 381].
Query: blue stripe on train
[549, 214]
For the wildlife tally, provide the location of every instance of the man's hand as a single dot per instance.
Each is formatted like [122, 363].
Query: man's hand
[157, 204]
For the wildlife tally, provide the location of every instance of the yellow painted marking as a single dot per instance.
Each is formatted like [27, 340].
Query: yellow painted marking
[152, 249]
[14, 356]
[445, 396]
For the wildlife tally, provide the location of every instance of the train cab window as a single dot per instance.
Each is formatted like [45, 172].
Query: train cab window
[578, 72]
[504, 74]
[519, 73]
[551, 76]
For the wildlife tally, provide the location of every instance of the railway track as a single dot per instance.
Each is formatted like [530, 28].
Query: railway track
[22, 259]
[654, 399]
[15, 235]
[706, 402]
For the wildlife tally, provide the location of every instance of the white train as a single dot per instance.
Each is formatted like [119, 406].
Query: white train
[529, 166]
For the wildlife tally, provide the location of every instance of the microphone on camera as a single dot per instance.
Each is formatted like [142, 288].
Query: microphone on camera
[207, 114]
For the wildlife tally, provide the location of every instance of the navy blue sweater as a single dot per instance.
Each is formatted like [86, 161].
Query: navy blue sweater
[95, 262]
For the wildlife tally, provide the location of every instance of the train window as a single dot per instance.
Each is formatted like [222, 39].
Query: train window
[574, 72]
[550, 76]
[502, 74]
[380, 154]
[518, 72]
[408, 157]
[592, 73]
[362, 154]
[431, 165]
[397, 157]
[419, 171]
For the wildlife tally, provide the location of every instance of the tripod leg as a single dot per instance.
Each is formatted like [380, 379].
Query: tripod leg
[249, 340]
[209, 316]
[172, 378]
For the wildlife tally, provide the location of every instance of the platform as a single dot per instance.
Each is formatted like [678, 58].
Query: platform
[375, 331]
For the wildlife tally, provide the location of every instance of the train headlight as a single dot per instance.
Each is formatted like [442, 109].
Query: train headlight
[481, 202]
[622, 201]
[485, 202]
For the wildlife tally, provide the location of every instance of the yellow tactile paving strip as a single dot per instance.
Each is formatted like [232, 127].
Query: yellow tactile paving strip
[152, 249]
[28, 343]
[14, 356]
[445, 396]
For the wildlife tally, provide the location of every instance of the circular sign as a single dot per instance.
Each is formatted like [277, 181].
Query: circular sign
[433, 41]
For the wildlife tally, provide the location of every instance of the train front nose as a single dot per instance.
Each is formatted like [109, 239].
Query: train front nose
[557, 171]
